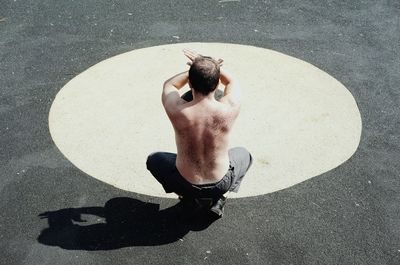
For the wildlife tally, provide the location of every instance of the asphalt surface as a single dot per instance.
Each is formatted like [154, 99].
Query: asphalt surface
[52, 213]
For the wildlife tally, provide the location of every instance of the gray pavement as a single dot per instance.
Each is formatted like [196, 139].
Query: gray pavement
[350, 215]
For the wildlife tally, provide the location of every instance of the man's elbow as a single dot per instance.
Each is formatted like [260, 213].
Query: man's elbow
[166, 84]
[163, 99]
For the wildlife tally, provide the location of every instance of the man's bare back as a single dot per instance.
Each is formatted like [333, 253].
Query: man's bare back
[202, 128]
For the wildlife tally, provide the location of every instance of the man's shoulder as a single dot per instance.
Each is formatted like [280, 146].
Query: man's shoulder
[177, 108]
[180, 115]
[228, 110]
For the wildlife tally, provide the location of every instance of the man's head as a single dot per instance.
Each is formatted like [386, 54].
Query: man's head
[204, 75]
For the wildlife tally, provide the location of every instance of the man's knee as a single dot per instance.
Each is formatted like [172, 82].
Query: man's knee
[239, 150]
[241, 158]
[151, 161]
[251, 161]
[241, 153]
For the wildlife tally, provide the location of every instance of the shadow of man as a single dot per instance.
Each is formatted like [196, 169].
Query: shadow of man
[122, 222]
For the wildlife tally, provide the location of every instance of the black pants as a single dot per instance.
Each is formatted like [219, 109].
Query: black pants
[162, 166]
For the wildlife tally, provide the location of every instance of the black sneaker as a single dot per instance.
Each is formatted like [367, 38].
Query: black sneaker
[187, 203]
[218, 207]
[195, 207]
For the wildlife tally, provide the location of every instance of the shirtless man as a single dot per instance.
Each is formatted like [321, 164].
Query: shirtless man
[204, 167]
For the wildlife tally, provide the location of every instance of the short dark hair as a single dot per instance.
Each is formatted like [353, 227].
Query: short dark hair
[204, 75]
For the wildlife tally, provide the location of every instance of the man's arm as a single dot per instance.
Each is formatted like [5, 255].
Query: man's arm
[232, 91]
[170, 95]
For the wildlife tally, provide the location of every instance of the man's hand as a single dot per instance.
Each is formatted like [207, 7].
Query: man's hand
[192, 55]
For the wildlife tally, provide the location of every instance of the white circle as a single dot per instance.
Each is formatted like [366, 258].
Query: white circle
[296, 120]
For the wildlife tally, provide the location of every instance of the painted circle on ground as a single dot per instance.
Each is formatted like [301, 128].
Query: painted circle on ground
[296, 120]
